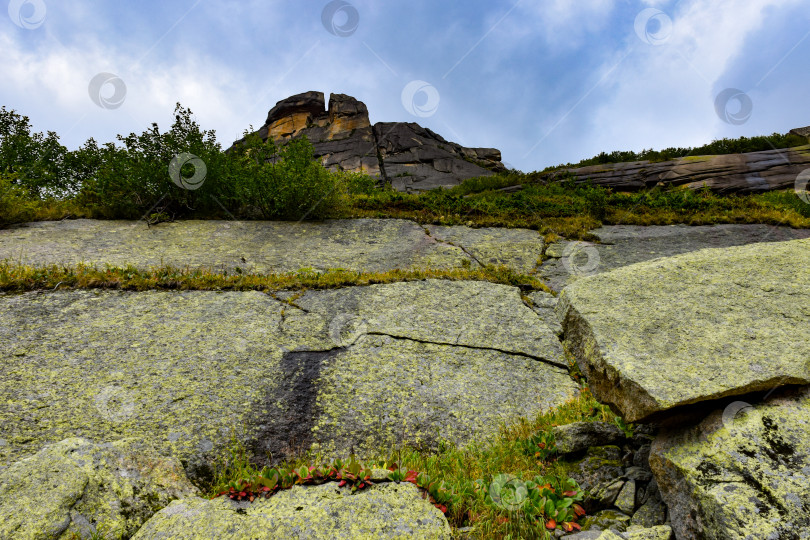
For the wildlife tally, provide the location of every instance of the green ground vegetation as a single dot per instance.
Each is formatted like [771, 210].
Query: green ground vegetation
[41, 180]
[458, 479]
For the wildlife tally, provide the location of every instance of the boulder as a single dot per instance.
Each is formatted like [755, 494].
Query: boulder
[714, 323]
[77, 487]
[751, 172]
[362, 245]
[579, 436]
[405, 155]
[384, 510]
[743, 472]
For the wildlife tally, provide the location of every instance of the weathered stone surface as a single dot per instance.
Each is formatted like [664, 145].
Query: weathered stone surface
[77, 487]
[626, 500]
[579, 436]
[716, 322]
[607, 519]
[406, 155]
[417, 159]
[732, 173]
[623, 245]
[662, 532]
[545, 304]
[186, 369]
[802, 131]
[601, 466]
[516, 248]
[369, 245]
[385, 510]
[743, 472]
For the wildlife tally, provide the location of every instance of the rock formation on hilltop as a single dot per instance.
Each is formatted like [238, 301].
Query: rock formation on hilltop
[406, 155]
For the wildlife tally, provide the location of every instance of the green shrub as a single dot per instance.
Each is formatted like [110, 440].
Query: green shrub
[285, 183]
[15, 203]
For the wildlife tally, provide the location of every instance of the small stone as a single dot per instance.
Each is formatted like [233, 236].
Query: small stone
[607, 519]
[579, 436]
[626, 501]
[650, 514]
[608, 494]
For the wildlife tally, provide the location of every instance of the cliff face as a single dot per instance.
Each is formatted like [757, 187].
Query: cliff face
[732, 173]
[406, 155]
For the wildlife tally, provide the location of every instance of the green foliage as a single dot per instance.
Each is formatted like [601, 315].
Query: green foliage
[716, 147]
[36, 160]
[284, 183]
[15, 204]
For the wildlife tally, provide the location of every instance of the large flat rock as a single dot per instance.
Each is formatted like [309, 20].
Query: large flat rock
[369, 245]
[699, 326]
[623, 245]
[743, 472]
[417, 362]
[385, 510]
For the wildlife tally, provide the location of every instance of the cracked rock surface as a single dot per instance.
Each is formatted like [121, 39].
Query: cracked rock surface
[367, 245]
[361, 366]
[715, 323]
[743, 472]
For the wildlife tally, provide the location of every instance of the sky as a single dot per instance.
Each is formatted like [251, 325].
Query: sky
[545, 81]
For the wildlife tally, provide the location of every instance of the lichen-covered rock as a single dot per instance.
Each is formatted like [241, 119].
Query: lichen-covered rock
[607, 519]
[364, 245]
[515, 248]
[714, 323]
[743, 472]
[188, 370]
[579, 436]
[623, 245]
[80, 487]
[385, 510]
[544, 304]
[602, 465]
[661, 532]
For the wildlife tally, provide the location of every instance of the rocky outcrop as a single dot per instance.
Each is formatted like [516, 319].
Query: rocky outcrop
[384, 510]
[405, 155]
[743, 472]
[76, 488]
[733, 173]
[717, 322]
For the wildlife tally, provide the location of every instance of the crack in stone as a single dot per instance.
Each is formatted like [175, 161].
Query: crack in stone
[462, 248]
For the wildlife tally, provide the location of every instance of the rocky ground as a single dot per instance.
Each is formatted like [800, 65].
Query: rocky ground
[112, 401]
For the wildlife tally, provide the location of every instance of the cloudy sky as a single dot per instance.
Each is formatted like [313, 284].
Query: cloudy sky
[545, 81]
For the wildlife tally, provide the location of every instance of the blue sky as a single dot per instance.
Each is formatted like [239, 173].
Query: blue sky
[545, 81]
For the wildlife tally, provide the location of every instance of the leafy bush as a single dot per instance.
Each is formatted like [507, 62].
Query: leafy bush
[15, 205]
[286, 183]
